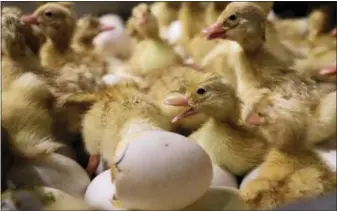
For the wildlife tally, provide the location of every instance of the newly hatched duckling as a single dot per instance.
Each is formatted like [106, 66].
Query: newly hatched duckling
[69, 72]
[57, 21]
[118, 114]
[165, 13]
[17, 56]
[88, 27]
[26, 99]
[261, 75]
[230, 145]
[152, 53]
[26, 117]
[292, 170]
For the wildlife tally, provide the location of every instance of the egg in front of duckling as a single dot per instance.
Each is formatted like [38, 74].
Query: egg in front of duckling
[159, 170]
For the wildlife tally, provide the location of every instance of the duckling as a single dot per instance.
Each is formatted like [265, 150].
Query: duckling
[120, 112]
[115, 43]
[191, 15]
[17, 57]
[222, 136]
[66, 71]
[172, 82]
[262, 76]
[320, 21]
[88, 27]
[57, 21]
[161, 55]
[26, 118]
[165, 13]
[292, 170]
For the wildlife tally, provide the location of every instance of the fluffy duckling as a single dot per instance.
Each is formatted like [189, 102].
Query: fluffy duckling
[262, 77]
[165, 13]
[115, 43]
[320, 21]
[88, 27]
[230, 144]
[34, 37]
[68, 72]
[57, 21]
[292, 170]
[191, 16]
[17, 57]
[119, 113]
[173, 82]
[151, 47]
[26, 118]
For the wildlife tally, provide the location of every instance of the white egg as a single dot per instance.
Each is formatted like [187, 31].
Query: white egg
[56, 171]
[100, 192]
[223, 178]
[219, 198]
[253, 174]
[160, 170]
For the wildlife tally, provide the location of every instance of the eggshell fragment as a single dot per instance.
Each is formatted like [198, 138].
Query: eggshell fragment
[56, 171]
[223, 178]
[161, 170]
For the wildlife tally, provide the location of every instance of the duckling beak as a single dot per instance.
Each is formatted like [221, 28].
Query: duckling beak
[142, 20]
[214, 31]
[189, 112]
[29, 19]
[176, 101]
[328, 71]
[254, 119]
[104, 27]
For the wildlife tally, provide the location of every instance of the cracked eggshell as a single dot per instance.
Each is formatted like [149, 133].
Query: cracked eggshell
[223, 178]
[56, 171]
[100, 192]
[160, 170]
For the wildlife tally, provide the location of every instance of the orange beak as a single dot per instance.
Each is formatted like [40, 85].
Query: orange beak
[180, 101]
[29, 19]
[104, 27]
[328, 71]
[214, 31]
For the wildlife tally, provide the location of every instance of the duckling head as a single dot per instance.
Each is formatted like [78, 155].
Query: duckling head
[56, 20]
[243, 22]
[88, 27]
[145, 22]
[209, 95]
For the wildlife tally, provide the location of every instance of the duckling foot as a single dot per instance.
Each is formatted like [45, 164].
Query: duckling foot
[334, 32]
[328, 71]
[93, 164]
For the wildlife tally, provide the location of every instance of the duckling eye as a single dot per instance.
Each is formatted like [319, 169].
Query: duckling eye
[232, 18]
[201, 91]
[48, 14]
